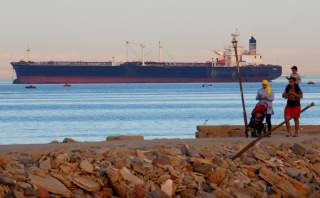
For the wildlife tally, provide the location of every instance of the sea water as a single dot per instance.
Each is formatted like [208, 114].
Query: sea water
[90, 112]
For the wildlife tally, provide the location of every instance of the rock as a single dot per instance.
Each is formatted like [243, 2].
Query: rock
[190, 151]
[54, 142]
[18, 194]
[161, 160]
[137, 165]
[62, 158]
[124, 137]
[293, 172]
[127, 175]
[260, 155]
[316, 168]
[114, 177]
[40, 173]
[204, 194]
[221, 162]
[86, 183]
[23, 185]
[4, 180]
[203, 168]
[69, 140]
[315, 194]
[43, 193]
[65, 179]
[30, 192]
[167, 187]
[298, 149]
[105, 192]
[217, 176]
[139, 191]
[36, 156]
[50, 184]
[45, 164]
[86, 166]
[157, 194]
[280, 184]
[3, 161]
[303, 189]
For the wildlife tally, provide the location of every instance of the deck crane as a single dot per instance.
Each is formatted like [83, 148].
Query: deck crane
[142, 46]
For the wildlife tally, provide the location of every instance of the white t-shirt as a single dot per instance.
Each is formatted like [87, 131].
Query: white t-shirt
[297, 77]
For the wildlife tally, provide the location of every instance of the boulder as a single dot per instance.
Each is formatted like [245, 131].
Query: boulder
[127, 175]
[86, 183]
[50, 184]
[86, 166]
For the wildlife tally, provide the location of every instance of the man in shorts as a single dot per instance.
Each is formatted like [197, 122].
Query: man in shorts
[293, 94]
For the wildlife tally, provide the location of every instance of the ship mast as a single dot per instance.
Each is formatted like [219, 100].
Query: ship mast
[142, 53]
[127, 51]
[235, 47]
[142, 46]
[28, 50]
[160, 51]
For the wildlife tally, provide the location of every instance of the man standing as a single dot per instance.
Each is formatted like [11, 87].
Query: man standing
[295, 74]
[293, 94]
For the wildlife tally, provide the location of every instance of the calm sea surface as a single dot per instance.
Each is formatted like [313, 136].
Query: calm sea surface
[93, 111]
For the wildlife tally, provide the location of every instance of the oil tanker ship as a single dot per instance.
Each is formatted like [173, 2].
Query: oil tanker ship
[221, 69]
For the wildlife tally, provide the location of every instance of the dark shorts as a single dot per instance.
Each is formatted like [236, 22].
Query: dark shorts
[292, 112]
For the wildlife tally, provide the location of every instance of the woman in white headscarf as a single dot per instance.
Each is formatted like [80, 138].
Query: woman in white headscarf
[266, 96]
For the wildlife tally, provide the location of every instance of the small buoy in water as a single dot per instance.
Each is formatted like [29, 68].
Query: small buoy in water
[311, 83]
[66, 85]
[30, 87]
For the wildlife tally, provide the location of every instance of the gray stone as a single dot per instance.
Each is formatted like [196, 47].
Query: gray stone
[298, 149]
[203, 168]
[4, 180]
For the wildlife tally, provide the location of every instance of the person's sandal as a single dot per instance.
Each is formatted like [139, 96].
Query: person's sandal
[288, 135]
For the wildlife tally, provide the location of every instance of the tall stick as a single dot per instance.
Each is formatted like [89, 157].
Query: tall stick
[245, 119]
[251, 144]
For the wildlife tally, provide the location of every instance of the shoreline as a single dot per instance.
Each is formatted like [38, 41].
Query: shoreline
[151, 143]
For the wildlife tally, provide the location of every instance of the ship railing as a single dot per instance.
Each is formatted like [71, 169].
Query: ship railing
[71, 63]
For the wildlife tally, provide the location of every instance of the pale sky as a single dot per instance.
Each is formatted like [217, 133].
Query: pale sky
[287, 31]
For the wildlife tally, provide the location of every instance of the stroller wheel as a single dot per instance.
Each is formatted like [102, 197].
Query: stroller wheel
[265, 130]
[259, 133]
[253, 133]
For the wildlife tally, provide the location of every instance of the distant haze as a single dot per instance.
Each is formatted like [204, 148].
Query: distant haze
[287, 31]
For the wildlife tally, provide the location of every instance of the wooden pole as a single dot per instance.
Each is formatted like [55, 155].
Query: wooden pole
[251, 144]
[245, 119]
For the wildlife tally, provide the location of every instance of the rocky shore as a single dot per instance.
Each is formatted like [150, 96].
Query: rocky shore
[277, 167]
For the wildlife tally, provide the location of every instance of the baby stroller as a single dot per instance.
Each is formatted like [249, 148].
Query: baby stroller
[256, 124]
